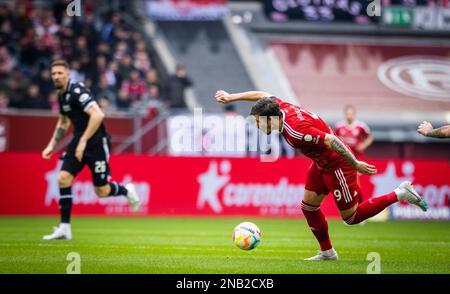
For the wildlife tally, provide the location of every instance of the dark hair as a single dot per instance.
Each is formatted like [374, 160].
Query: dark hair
[60, 62]
[266, 106]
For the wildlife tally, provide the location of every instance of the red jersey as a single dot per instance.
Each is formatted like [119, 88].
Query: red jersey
[306, 131]
[352, 134]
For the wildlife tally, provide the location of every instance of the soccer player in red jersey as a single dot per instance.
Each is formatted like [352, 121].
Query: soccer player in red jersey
[334, 168]
[356, 134]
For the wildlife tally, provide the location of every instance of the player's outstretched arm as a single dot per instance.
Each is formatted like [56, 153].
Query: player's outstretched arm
[337, 146]
[426, 129]
[62, 125]
[225, 97]
[96, 117]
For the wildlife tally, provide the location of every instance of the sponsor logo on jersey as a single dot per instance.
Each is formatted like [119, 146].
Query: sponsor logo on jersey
[66, 107]
[308, 138]
[84, 97]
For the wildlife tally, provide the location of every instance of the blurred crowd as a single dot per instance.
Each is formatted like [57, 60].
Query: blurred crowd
[102, 50]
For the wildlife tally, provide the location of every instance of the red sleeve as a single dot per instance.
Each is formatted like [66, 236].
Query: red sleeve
[311, 135]
[365, 130]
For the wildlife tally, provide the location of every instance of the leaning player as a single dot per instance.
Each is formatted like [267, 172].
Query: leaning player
[356, 134]
[334, 168]
[89, 146]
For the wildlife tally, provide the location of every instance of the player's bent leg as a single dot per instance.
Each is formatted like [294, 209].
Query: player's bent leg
[104, 188]
[344, 183]
[318, 224]
[63, 231]
[112, 189]
[312, 198]
[103, 191]
[65, 179]
[367, 209]
[347, 213]
[371, 207]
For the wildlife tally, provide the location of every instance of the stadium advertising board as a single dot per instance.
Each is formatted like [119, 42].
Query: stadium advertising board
[420, 18]
[416, 14]
[186, 9]
[203, 186]
[3, 134]
[351, 11]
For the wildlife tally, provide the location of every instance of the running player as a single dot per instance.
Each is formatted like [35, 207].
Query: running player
[334, 168]
[356, 134]
[89, 146]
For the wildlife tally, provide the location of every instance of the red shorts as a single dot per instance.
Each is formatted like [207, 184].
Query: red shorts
[341, 181]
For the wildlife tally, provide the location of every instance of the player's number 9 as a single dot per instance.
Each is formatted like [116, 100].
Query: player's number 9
[337, 194]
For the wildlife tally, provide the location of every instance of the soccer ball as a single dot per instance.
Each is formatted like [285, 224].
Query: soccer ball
[246, 236]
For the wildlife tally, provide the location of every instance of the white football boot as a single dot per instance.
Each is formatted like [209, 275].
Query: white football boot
[63, 232]
[133, 198]
[329, 254]
[363, 223]
[405, 192]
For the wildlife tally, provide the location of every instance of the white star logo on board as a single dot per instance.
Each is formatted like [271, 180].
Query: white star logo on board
[389, 180]
[52, 193]
[210, 184]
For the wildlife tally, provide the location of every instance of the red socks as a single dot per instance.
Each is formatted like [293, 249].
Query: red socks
[318, 224]
[371, 207]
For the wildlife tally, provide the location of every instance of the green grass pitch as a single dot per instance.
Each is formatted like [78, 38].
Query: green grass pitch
[204, 245]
